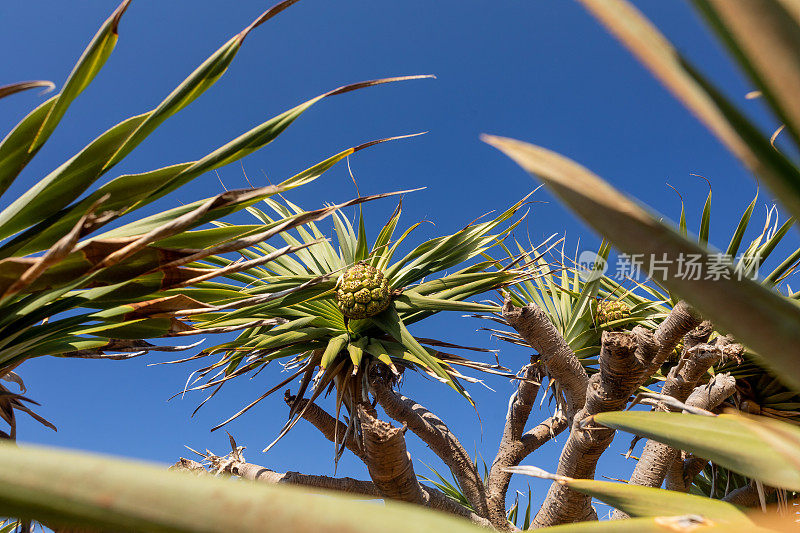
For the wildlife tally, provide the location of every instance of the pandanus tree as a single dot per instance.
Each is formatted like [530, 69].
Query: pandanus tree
[599, 343]
[705, 354]
[361, 353]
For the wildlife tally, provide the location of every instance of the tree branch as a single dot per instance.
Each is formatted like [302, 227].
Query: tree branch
[435, 433]
[656, 458]
[535, 327]
[710, 396]
[234, 467]
[516, 445]
[680, 321]
[330, 427]
[434, 499]
[623, 364]
[386, 457]
[431, 497]
[747, 496]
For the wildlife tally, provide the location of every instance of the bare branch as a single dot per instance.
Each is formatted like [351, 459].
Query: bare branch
[233, 464]
[326, 424]
[656, 458]
[236, 466]
[708, 397]
[499, 477]
[663, 401]
[514, 445]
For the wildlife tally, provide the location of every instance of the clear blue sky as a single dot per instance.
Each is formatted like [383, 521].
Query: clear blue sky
[539, 70]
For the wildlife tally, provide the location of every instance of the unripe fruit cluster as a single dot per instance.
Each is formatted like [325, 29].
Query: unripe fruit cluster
[362, 291]
[610, 312]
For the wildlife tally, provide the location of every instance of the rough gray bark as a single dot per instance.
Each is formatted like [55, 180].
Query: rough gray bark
[435, 433]
[559, 360]
[623, 365]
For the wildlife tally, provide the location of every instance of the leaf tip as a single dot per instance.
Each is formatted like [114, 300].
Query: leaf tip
[387, 139]
[265, 16]
[117, 15]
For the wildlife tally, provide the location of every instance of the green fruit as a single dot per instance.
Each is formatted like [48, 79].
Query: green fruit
[362, 291]
[610, 312]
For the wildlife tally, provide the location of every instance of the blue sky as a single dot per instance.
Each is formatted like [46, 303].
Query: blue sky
[542, 71]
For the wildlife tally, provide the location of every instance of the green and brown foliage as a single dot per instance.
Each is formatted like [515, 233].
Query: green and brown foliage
[70, 291]
[690, 348]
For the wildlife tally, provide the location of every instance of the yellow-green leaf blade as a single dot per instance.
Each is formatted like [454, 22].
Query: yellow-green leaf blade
[641, 501]
[732, 441]
[83, 490]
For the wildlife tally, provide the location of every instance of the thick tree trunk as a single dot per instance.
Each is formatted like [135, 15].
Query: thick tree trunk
[388, 461]
[621, 373]
[435, 433]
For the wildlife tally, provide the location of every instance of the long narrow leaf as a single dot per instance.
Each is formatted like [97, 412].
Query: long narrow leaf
[80, 490]
[761, 448]
[645, 501]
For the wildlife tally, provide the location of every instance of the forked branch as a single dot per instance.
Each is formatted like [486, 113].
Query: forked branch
[657, 458]
[516, 445]
[435, 433]
[623, 367]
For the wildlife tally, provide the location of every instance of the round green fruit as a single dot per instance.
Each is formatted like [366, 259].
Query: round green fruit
[610, 312]
[362, 291]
